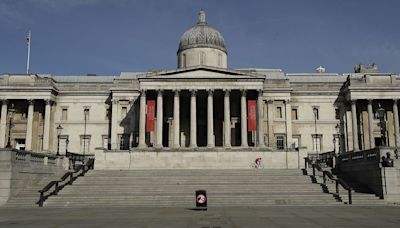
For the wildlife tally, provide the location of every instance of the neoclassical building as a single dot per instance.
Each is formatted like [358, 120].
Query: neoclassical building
[200, 115]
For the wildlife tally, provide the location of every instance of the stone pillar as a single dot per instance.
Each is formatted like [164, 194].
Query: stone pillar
[3, 123]
[288, 115]
[176, 120]
[271, 138]
[142, 120]
[371, 125]
[193, 120]
[29, 125]
[227, 120]
[354, 124]
[210, 120]
[159, 119]
[46, 131]
[260, 114]
[114, 124]
[396, 122]
[243, 121]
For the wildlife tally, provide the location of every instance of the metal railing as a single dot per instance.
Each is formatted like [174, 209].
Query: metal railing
[326, 174]
[68, 178]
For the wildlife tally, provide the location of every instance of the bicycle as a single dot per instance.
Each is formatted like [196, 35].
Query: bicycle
[257, 164]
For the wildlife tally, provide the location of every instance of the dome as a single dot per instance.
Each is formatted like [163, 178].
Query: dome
[202, 35]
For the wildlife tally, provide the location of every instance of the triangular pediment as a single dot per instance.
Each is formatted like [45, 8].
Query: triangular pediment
[200, 72]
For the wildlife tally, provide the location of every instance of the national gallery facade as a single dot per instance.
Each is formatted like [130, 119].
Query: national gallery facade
[202, 114]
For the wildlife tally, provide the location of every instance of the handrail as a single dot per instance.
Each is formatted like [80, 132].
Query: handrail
[328, 174]
[59, 185]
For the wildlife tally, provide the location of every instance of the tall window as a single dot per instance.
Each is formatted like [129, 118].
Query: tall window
[280, 142]
[219, 60]
[106, 142]
[64, 113]
[279, 112]
[294, 114]
[184, 60]
[85, 143]
[124, 142]
[317, 143]
[124, 111]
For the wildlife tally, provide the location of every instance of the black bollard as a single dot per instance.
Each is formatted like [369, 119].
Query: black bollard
[201, 200]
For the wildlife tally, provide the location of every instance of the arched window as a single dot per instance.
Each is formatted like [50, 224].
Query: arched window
[219, 60]
[202, 58]
[183, 64]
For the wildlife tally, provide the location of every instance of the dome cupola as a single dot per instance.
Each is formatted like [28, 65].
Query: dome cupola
[202, 45]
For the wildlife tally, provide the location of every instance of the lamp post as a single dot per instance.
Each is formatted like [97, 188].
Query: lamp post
[85, 113]
[382, 123]
[59, 130]
[66, 145]
[10, 117]
[315, 111]
[337, 137]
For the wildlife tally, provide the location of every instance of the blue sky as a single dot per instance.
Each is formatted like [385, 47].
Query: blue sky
[106, 37]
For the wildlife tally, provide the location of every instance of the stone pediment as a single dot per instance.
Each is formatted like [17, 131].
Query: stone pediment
[201, 72]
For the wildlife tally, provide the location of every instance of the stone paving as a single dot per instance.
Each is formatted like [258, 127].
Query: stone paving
[273, 216]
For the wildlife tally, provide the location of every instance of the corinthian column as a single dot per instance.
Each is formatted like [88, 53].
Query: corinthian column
[396, 122]
[227, 119]
[370, 125]
[354, 124]
[28, 142]
[288, 115]
[260, 104]
[3, 123]
[159, 119]
[142, 120]
[193, 120]
[176, 119]
[46, 131]
[243, 121]
[210, 119]
[114, 124]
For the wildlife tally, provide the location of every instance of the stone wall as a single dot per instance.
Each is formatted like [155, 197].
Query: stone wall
[19, 169]
[197, 159]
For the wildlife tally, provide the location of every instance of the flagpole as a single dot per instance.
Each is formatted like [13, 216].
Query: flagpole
[29, 52]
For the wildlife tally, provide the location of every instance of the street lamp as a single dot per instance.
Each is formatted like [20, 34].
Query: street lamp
[315, 111]
[337, 137]
[66, 146]
[382, 123]
[59, 130]
[11, 112]
[85, 113]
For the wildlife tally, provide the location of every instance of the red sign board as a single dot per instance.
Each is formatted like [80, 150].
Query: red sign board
[151, 110]
[251, 115]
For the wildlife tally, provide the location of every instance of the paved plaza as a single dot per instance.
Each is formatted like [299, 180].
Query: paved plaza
[274, 216]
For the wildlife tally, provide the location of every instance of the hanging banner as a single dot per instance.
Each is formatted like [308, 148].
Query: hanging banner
[251, 115]
[151, 109]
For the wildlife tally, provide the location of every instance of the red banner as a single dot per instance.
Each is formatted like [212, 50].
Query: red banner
[251, 115]
[151, 109]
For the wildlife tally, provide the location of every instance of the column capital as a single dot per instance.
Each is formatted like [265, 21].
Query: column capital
[142, 92]
[227, 92]
[4, 101]
[193, 92]
[177, 92]
[31, 101]
[160, 92]
[353, 101]
[48, 101]
[260, 92]
[395, 100]
[370, 101]
[210, 92]
[244, 92]
[114, 101]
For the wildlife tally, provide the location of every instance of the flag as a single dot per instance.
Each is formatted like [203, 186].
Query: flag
[252, 115]
[28, 38]
[151, 110]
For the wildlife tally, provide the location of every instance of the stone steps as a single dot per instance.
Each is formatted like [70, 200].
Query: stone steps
[176, 188]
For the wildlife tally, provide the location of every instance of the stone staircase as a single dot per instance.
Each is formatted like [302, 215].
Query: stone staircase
[176, 188]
